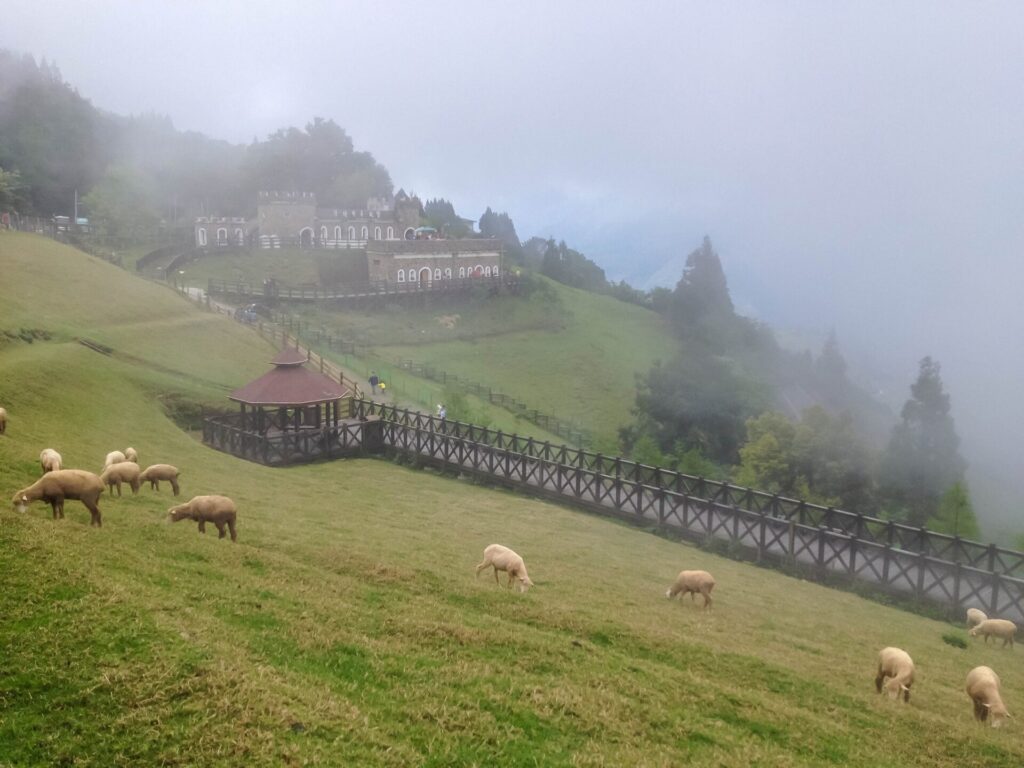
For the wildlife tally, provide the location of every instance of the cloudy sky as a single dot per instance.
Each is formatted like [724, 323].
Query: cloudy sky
[857, 165]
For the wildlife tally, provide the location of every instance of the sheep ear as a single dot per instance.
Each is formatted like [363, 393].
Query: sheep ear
[24, 497]
[986, 706]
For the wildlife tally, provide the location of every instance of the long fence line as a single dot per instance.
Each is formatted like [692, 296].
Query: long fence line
[898, 558]
[272, 289]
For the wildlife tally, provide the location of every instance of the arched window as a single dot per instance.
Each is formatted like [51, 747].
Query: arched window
[410, 234]
[337, 233]
[351, 233]
[202, 236]
[323, 235]
[478, 271]
[391, 233]
[448, 273]
[222, 236]
[487, 271]
[437, 274]
[376, 233]
[462, 272]
[366, 233]
[495, 272]
[401, 275]
[239, 236]
[412, 276]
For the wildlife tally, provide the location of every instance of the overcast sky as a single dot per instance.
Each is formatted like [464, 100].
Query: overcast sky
[857, 165]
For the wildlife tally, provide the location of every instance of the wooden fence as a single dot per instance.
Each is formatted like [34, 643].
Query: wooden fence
[950, 571]
[373, 289]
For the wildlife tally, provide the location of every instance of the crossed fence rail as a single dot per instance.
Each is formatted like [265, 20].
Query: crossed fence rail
[947, 570]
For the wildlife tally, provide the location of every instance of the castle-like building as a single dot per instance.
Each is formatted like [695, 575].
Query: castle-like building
[386, 231]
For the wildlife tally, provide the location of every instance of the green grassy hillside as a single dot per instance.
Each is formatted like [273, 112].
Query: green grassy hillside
[346, 628]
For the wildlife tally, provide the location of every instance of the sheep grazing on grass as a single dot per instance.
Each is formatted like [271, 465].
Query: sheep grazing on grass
[504, 559]
[219, 510]
[895, 673]
[130, 454]
[983, 688]
[693, 582]
[50, 460]
[1000, 628]
[975, 617]
[3, 420]
[54, 487]
[114, 457]
[122, 472]
[154, 473]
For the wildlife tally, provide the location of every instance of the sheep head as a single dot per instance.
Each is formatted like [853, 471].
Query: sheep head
[524, 583]
[897, 690]
[973, 632]
[20, 502]
[999, 715]
[180, 512]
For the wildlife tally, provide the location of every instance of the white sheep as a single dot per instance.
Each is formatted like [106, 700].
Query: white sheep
[122, 472]
[114, 457]
[154, 473]
[504, 559]
[983, 688]
[50, 460]
[1000, 628]
[975, 617]
[693, 582]
[3, 420]
[219, 510]
[130, 454]
[896, 665]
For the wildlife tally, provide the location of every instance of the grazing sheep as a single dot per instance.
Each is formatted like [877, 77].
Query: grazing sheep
[122, 472]
[219, 510]
[997, 628]
[895, 664]
[3, 420]
[130, 454]
[50, 460]
[504, 559]
[114, 457]
[983, 688]
[54, 487]
[154, 473]
[975, 617]
[693, 582]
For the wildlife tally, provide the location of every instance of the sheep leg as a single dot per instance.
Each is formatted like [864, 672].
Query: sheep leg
[707, 601]
[202, 526]
[55, 505]
[879, 679]
[174, 485]
[154, 485]
[480, 567]
[135, 487]
[231, 527]
[220, 530]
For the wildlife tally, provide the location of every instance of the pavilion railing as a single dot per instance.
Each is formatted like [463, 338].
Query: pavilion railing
[284, 447]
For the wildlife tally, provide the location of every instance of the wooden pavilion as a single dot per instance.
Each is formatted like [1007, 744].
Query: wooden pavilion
[290, 414]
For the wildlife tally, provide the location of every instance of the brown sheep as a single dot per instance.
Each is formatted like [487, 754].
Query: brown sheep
[114, 457]
[3, 420]
[504, 559]
[219, 510]
[983, 688]
[693, 582]
[122, 472]
[55, 487]
[895, 673]
[50, 460]
[154, 473]
[999, 628]
[130, 454]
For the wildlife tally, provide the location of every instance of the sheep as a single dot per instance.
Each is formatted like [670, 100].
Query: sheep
[983, 688]
[50, 460]
[54, 487]
[130, 454]
[122, 472]
[114, 457]
[504, 559]
[693, 582]
[219, 510]
[896, 665]
[975, 617]
[997, 628]
[154, 473]
[3, 420]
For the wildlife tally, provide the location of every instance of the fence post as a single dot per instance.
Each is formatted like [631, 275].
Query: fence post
[956, 584]
[761, 534]
[993, 606]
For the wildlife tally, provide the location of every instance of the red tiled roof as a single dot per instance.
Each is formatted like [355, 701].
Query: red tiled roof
[289, 356]
[290, 384]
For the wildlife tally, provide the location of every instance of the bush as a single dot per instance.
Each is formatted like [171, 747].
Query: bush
[954, 639]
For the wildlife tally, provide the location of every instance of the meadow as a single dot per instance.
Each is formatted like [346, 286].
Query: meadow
[346, 626]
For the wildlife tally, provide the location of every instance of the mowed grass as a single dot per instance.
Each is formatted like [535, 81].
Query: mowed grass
[346, 627]
[291, 266]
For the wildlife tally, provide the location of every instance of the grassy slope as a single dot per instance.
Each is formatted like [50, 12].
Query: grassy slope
[345, 627]
[289, 265]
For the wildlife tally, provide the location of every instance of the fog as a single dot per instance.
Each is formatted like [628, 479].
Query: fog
[858, 167]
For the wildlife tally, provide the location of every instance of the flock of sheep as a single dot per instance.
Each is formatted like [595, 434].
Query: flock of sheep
[895, 667]
[120, 468]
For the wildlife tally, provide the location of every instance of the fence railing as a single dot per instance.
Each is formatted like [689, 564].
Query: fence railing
[373, 288]
[904, 559]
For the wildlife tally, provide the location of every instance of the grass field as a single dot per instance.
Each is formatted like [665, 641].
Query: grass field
[291, 266]
[346, 628]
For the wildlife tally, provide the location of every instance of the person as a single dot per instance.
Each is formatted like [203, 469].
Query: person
[442, 412]
[374, 380]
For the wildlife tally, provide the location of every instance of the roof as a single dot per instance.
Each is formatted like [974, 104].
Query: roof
[289, 384]
[289, 356]
[430, 247]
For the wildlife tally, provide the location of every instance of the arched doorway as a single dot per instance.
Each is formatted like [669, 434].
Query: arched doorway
[410, 234]
[425, 276]
[306, 238]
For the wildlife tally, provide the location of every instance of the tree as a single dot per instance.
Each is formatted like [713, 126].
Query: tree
[830, 367]
[121, 205]
[922, 460]
[956, 514]
[441, 215]
[768, 459]
[501, 227]
[702, 294]
[11, 190]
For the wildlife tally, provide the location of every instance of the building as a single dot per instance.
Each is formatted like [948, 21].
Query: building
[430, 261]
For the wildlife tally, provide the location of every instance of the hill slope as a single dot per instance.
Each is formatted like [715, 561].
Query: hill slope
[345, 627]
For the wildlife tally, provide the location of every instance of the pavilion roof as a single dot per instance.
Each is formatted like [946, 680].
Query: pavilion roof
[289, 356]
[290, 383]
